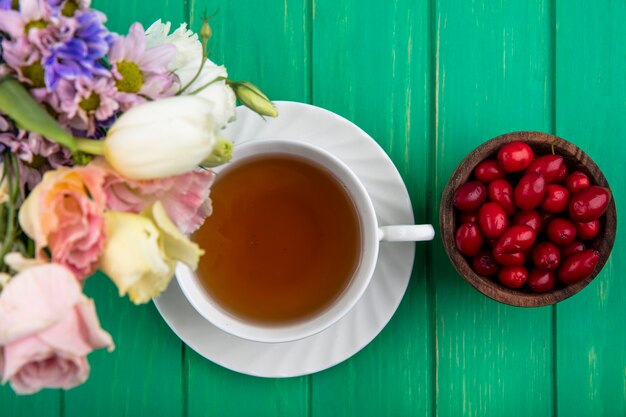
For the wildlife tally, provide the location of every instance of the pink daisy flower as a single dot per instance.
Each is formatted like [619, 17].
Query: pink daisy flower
[25, 60]
[83, 102]
[141, 72]
[32, 16]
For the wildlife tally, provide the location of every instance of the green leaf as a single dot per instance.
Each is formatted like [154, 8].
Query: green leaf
[17, 103]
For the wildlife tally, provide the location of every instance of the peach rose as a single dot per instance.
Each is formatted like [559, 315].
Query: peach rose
[47, 328]
[65, 213]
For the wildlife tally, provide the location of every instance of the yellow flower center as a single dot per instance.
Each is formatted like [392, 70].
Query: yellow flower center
[37, 162]
[132, 79]
[69, 8]
[35, 24]
[90, 103]
[35, 73]
[15, 4]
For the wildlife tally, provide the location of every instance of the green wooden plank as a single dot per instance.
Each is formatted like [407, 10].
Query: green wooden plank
[493, 65]
[371, 65]
[143, 375]
[121, 14]
[268, 44]
[591, 104]
[46, 403]
[217, 391]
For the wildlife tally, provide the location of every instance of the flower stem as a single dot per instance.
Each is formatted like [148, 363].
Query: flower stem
[197, 90]
[195, 77]
[14, 189]
[90, 146]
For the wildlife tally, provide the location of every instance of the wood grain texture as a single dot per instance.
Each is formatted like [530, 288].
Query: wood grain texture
[143, 376]
[44, 404]
[266, 43]
[122, 13]
[494, 72]
[542, 144]
[371, 65]
[430, 81]
[591, 109]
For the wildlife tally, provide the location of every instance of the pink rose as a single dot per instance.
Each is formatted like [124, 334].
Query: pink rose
[185, 197]
[65, 214]
[47, 328]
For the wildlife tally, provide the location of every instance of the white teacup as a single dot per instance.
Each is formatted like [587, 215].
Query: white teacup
[371, 234]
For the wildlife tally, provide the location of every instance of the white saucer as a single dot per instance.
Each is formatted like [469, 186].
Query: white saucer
[302, 122]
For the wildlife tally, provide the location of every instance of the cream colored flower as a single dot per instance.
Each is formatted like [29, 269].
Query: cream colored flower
[187, 63]
[4, 186]
[162, 138]
[187, 45]
[141, 252]
[18, 263]
[216, 91]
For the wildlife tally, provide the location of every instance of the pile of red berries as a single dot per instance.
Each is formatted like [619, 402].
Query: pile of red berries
[522, 212]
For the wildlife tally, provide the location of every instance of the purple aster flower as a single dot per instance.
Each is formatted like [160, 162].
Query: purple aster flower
[81, 55]
[84, 102]
[68, 7]
[32, 15]
[140, 71]
[6, 4]
[36, 154]
[25, 60]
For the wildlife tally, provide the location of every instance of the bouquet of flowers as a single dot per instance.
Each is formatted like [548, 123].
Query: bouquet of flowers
[106, 143]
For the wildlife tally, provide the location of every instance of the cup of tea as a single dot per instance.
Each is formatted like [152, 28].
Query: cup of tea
[291, 244]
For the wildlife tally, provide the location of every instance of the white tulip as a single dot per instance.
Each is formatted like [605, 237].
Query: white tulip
[161, 138]
[186, 64]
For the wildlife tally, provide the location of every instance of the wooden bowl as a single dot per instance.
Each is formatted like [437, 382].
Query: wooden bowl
[541, 143]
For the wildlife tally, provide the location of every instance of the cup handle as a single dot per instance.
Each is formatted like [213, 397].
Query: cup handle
[406, 233]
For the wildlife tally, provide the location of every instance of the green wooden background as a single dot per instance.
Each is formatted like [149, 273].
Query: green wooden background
[429, 80]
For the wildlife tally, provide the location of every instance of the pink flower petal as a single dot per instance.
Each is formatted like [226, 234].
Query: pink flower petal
[11, 22]
[50, 290]
[135, 43]
[78, 333]
[185, 197]
[53, 355]
[189, 204]
[53, 372]
[157, 58]
[21, 352]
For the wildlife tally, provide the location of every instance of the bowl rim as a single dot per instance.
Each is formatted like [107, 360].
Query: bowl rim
[447, 218]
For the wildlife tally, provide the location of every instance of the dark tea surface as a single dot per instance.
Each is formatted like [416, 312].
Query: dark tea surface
[283, 240]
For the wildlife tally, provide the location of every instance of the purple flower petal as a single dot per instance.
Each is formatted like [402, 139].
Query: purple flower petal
[80, 55]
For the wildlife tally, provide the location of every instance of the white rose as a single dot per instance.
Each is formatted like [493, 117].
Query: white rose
[186, 64]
